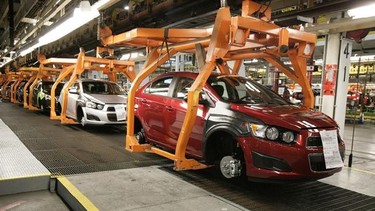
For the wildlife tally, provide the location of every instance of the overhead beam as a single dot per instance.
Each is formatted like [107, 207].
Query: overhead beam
[11, 22]
[342, 25]
[34, 21]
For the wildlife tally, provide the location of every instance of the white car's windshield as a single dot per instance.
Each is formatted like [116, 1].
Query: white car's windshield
[101, 87]
[241, 90]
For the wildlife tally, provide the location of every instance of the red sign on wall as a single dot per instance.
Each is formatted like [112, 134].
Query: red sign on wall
[329, 79]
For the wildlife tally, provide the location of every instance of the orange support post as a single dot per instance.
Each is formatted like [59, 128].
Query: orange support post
[64, 73]
[25, 88]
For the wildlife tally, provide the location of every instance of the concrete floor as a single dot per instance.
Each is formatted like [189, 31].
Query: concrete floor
[37, 200]
[360, 177]
[363, 146]
[149, 188]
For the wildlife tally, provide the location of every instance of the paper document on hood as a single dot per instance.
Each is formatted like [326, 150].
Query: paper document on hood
[120, 112]
[331, 151]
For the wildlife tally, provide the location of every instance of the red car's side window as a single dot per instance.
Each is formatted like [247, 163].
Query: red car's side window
[182, 88]
[159, 87]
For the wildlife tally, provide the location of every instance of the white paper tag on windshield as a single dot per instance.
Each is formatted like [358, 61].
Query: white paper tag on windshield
[331, 151]
[120, 112]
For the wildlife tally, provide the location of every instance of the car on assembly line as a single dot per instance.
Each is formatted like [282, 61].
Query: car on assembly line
[7, 89]
[42, 94]
[95, 102]
[19, 92]
[247, 128]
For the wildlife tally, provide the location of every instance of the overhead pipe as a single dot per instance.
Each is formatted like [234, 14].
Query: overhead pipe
[11, 23]
[223, 3]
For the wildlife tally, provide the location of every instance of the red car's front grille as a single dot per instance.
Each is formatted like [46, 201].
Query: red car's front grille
[316, 141]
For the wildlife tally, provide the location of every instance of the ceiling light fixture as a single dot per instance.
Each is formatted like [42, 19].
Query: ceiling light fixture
[362, 12]
[82, 15]
[29, 49]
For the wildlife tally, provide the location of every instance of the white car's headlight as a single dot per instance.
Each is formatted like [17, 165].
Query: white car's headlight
[93, 105]
[90, 105]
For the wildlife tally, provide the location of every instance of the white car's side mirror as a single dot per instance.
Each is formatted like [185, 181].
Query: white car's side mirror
[73, 90]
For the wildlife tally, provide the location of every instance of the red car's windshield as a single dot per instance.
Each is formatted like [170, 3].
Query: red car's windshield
[241, 90]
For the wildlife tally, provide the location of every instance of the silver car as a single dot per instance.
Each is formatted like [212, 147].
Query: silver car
[96, 102]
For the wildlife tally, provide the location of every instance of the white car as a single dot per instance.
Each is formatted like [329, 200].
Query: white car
[96, 102]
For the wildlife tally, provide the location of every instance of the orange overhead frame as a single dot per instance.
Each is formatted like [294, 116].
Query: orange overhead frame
[64, 64]
[25, 73]
[44, 73]
[84, 63]
[2, 78]
[9, 77]
[14, 85]
[230, 39]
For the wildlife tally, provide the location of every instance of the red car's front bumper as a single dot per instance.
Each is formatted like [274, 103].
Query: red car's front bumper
[302, 160]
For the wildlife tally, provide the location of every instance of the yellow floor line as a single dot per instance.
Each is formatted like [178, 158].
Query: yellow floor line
[86, 203]
[365, 171]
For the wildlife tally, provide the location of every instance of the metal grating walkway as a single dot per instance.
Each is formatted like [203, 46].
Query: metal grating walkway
[71, 149]
[292, 196]
[18, 164]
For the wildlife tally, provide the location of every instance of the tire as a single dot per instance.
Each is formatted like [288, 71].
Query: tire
[80, 116]
[226, 149]
[140, 136]
[58, 109]
[43, 106]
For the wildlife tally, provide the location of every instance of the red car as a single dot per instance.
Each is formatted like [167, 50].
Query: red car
[241, 124]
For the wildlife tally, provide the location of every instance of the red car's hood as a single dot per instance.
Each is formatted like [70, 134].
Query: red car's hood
[288, 116]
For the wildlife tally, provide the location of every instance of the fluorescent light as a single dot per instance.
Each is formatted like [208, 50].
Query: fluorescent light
[99, 4]
[134, 55]
[29, 50]
[362, 12]
[81, 16]
[125, 57]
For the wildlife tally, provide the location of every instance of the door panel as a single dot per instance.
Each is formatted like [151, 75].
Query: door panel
[72, 102]
[152, 110]
[177, 114]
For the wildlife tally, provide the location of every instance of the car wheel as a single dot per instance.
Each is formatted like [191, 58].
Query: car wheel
[58, 109]
[80, 116]
[140, 136]
[227, 155]
[43, 106]
[139, 132]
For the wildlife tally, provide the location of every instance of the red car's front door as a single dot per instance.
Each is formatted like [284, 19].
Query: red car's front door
[176, 110]
[152, 109]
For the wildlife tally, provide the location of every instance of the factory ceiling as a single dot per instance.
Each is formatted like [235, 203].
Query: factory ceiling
[33, 18]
